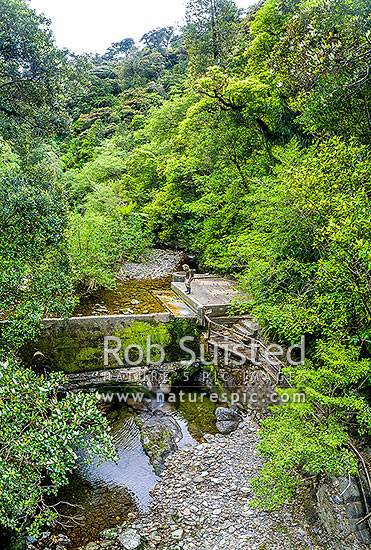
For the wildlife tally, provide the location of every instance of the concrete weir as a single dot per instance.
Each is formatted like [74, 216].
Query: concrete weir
[77, 344]
[102, 322]
[211, 295]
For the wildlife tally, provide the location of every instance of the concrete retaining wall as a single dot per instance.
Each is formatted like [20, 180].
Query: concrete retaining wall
[105, 323]
[77, 345]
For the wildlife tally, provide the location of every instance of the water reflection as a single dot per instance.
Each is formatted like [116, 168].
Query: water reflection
[108, 493]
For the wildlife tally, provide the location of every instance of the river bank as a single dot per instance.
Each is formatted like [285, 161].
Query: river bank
[155, 264]
[202, 502]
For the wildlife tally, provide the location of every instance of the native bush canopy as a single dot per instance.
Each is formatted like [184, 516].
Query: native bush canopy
[40, 429]
[242, 137]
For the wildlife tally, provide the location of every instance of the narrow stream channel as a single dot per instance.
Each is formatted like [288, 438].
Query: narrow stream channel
[106, 494]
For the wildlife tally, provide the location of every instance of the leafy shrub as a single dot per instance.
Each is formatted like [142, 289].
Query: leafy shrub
[39, 434]
[311, 436]
[97, 243]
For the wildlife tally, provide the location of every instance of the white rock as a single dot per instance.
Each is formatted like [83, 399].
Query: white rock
[178, 534]
[130, 539]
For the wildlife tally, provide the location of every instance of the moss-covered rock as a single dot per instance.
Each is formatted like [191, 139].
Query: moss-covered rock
[159, 434]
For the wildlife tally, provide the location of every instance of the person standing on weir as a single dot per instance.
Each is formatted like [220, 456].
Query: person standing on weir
[188, 278]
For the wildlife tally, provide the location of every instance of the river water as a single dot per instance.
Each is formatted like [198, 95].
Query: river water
[137, 297]
[105, 495]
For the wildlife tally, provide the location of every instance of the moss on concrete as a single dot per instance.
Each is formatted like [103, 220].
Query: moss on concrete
[72, 349]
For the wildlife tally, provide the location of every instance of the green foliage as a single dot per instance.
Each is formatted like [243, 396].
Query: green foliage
[34, 279]
[118, 49]
[320, 63]
[40, 429]
[96, 243]
[35, 77]
[39, 435]
[163, 121]
[210, 31]
[309, 262]
[158, 39]
[312, 435]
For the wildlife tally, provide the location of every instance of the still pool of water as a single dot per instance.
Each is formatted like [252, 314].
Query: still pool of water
[133, 295]
[108, 493]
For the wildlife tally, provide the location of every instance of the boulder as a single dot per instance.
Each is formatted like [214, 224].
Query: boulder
[228, 420]
[223, 414]
[160, 434]
[340, 520]
[227, 426]
[130, 539]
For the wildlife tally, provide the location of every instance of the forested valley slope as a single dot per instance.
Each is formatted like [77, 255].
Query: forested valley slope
[243, 138]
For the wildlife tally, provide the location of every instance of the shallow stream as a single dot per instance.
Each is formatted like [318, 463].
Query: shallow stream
[130, 296]
[108, 493]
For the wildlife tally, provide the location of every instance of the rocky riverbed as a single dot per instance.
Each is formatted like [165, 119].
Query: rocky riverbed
[202, 502]
[203, 499]
[156, 264]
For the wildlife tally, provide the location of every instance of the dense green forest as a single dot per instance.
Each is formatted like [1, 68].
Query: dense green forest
[243, 138]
